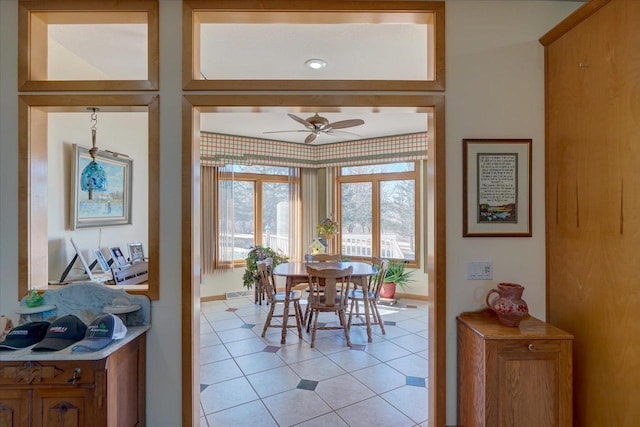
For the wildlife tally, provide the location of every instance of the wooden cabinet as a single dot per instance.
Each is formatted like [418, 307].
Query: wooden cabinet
[513, 377]
[593, 203]
[107, 392]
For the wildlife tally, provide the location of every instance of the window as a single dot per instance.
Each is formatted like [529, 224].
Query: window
[253, 209]
[377, 211]
[410, 36]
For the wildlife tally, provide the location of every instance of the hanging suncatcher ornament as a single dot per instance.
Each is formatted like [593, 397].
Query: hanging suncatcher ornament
[93, 177]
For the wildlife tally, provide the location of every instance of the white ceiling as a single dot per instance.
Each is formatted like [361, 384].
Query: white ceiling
[352, 51]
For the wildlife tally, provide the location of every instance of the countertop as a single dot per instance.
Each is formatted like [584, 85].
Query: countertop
[66, 354]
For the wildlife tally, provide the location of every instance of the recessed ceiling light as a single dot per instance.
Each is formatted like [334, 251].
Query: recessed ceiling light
[315, 64]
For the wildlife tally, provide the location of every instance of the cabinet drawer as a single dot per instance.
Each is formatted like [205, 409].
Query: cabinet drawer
[530, 346]
[47, 373]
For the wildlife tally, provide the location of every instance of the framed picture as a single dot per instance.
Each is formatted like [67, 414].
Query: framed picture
[496, 188]
[136, 252]
[102, 261]
[111, 207]
[119, 260]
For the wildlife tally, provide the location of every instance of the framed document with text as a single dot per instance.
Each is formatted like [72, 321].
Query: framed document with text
[496, 188]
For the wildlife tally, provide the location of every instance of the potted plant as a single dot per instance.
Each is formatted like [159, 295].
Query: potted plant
[259, 253]
[397, 276]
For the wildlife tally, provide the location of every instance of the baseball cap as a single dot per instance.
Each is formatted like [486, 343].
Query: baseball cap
[102, 331]
[24, 335]
[63, 332]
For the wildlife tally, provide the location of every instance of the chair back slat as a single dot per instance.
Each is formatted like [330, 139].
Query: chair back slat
[375, 285]
[329, 286]
[265, 273]
[310, 258]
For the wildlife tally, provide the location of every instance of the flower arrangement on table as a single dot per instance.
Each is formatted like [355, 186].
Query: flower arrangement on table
[328, 227]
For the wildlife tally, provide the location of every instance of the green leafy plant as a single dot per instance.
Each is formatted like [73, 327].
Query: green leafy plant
[259, 253]
[328, 227]
[398, 274]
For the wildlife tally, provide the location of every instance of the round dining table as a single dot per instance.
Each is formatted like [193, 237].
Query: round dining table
[295, 273]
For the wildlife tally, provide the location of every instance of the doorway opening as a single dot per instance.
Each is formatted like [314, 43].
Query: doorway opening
[433, 204]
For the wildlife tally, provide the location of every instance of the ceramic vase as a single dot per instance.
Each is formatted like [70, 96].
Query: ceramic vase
[508, 305]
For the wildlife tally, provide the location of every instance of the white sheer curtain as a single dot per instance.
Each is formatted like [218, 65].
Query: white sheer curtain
[295, 215]
[225, 218]
[208, 217]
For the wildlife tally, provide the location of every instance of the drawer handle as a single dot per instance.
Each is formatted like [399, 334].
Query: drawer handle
[532, 347]
[76, 376]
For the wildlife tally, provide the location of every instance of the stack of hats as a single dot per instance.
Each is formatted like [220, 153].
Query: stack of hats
[65, 331]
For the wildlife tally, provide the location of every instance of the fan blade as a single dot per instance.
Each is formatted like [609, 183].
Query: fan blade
[283, 131]
[310, 138]
[335, 132]
[343, 124]
[301, 121]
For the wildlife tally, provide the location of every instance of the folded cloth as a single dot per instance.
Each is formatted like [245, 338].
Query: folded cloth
[5, 326]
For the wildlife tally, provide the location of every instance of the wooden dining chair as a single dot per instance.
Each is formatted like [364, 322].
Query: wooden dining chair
[328, 293]
[315, 258]
[322, 258]
[373, 296]
[268, 283]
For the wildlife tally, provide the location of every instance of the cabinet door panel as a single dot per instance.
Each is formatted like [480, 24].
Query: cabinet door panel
[14, 408]
[528, 391]
[66, 407]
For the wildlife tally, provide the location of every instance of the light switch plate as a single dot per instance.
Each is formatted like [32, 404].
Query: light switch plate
[480, 270]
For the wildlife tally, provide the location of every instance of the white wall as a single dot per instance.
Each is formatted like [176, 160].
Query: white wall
[495, 88]
[124, 133]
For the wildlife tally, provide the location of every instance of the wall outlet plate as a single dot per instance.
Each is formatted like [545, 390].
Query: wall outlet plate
[479, 270]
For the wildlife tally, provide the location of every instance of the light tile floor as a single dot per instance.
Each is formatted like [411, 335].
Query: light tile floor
[247, 380]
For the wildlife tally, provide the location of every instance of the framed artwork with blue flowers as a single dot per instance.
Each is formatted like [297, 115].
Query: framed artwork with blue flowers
[110, 201]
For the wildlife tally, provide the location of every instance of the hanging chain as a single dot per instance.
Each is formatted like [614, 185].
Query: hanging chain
[94, 124]
[94, 119]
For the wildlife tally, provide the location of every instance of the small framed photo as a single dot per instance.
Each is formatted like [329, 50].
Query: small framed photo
[496, 188]
[136, 252]
[102, 261]
[119, 259]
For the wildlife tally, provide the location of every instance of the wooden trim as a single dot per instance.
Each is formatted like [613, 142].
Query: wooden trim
[213, 298]
[568, 23]
[32, 54]
[29, 230]
[412, 296]
[195, 11]
[190, 268]
[436, 246]
[436, 237]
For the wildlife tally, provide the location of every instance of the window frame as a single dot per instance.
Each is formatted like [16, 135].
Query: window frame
[196, 12]
[375, 180]
[32, 209]
[258, 180]
[33, 16]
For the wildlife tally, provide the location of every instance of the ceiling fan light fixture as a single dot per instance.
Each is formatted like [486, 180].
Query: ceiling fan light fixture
[315, 63]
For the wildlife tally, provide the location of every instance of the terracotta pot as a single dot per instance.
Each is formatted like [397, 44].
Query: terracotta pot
[388, 290]
[509, 305]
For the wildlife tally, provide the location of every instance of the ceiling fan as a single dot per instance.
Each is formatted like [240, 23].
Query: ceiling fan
[317, 125]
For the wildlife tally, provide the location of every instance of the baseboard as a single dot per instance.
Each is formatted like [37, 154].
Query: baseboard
[412, 296]
[213, 298]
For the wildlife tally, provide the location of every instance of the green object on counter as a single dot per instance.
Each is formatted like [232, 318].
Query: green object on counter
[34, 299]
